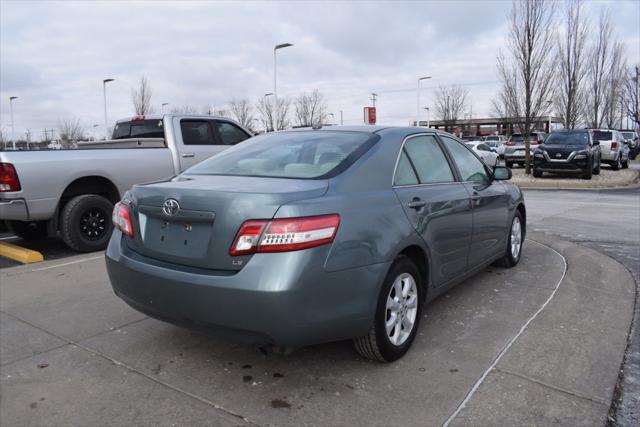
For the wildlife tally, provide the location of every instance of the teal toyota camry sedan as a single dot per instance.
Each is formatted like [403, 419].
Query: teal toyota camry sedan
[307, 236]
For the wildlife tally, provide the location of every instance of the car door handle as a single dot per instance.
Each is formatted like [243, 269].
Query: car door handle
[417, 204]
[188, 154]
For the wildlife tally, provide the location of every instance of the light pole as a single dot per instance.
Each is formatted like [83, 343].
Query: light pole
[13, 135]
[163, 105]
[275, 80]
[418, 101]
[341, 120]
[104, 97]
[428, 124]
[266, 126]
[549, 102]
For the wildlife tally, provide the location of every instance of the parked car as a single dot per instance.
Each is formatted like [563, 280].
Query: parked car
[614, 150]
[496, 142]
[568, 151]
[309, 236]
[486, 153]
[632, 139]
[71, 193]
[515, 149]
[466, 138]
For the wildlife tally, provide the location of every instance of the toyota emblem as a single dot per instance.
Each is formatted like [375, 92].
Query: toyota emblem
[558, 155]
[170, 207]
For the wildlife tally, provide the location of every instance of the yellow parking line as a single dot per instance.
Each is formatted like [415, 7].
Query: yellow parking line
[19, 254]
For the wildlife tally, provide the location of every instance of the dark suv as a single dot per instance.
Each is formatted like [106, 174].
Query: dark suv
[568, 151]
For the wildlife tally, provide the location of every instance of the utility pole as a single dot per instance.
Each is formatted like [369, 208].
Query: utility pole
[373, 98]
[104, 97]
[13, 135]
[341, 121]
[275, 80]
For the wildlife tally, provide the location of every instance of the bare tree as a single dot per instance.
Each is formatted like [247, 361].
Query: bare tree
[310, 109]
[70, 132]
[527, 75]
[599, 62]
[451, 102]
[266, 113]
[141, 98]
[614, 86]
[242, 112]
[185, 109]
[632, 103]
[570, 97]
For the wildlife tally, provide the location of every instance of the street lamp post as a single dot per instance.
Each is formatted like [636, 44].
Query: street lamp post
[333, 118]
[428, 124]
[275, 85]
[418, 100]
[104, 97]
[13, 134]
[266, 126]
[341, 119]
[163, 105]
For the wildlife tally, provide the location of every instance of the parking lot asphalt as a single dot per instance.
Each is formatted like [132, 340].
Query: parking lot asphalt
[506, 347]
[524, 346]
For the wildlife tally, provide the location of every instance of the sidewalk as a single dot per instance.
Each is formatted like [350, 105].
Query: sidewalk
[607, 179]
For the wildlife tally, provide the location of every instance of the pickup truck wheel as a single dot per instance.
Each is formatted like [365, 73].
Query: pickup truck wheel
[537, 174]
[31, 231]
[85, 223]
[397, 314]
[514, 243]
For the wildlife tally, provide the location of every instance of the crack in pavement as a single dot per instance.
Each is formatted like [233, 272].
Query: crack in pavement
[135, 370]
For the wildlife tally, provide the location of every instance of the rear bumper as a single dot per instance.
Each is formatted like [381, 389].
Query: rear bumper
[285, 299]
[14, 209]
[610, 156]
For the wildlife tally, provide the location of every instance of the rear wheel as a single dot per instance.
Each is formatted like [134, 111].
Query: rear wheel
[625, 164]
[537, 174]
[397, 314]
[85, 223]
[31, 231]
[618, 164]
[514, 244]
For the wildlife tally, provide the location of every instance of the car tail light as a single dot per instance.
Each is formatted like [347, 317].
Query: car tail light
[509, 142]
[137, 118]
[121, 218]
[614, 145]
[8, 178]
[284, 234]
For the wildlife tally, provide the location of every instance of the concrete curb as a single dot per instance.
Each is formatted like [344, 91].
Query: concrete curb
[564, 368]
[557, 184]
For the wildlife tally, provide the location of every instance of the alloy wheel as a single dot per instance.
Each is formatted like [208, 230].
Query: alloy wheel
[516, 238]
[93, 223]
[401, 309]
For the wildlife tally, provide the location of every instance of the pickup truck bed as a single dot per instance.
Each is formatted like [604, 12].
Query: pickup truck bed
[71, 193]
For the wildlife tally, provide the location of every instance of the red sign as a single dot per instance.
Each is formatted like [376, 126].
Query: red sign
[370, 115]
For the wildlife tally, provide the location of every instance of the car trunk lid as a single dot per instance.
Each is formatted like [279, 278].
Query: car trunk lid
[193, 220]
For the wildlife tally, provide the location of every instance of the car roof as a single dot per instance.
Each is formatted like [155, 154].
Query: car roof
[371, 129]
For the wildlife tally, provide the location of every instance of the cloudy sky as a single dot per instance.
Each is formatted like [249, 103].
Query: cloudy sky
[54, 55]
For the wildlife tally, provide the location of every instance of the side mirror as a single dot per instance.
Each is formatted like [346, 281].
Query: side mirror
[501, 173]
[596, 142]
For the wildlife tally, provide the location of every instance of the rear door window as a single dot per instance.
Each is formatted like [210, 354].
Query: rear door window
[427, 159]
[230, 134]
[196, 132]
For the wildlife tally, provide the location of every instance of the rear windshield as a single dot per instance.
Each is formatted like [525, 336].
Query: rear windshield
[599, 135]
[139, 129]
[518, 137]
[300, 154]
[567, 138]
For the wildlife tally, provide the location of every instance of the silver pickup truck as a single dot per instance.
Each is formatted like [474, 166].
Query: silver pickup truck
[71, 193]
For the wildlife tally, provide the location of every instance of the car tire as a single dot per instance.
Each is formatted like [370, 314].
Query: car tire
[85, 223]
[617, 164]
[511, 256]
[537, 174]
[596, 171]
[30, 231]
[625, 164]
[378, 343]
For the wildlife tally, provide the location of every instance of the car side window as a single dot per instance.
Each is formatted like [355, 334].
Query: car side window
[483, 147]
[196, 132]
[469, 166]
[230, 134]
[428, 160]
[405, 174]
